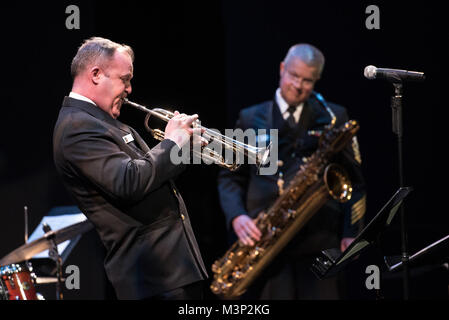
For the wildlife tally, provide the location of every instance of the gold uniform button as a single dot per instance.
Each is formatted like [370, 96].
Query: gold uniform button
[182, 216]
[174, 191]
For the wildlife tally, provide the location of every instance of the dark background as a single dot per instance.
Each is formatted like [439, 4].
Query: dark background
[215, 58]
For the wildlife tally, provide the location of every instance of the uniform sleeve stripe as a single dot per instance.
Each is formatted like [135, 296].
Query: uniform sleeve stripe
[358, 210]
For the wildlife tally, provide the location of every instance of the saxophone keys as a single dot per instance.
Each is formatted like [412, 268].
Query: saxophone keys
[236, 274]
[291, 213]
[256, 252]
[216, 268]
[280, 183]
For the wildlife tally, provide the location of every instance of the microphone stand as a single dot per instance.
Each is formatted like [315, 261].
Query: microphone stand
[54, 255]
[396, 106]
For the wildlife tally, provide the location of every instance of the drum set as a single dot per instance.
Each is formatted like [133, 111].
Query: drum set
[17, 278]
[17, 282]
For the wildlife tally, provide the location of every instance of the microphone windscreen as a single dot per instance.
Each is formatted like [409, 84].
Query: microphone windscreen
[370, 72]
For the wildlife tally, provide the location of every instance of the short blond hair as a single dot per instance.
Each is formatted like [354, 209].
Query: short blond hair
[94, 49]
[308, 54]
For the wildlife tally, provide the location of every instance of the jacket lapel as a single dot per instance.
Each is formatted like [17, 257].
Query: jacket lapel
[103, 116]
[263, 118]
[319, 117]
[139, 141]
[306, 118]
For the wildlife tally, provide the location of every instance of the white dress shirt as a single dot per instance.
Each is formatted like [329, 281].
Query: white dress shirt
[77, 96]
[283, 106]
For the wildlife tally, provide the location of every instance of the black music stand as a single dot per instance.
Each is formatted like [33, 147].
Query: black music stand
[333, 261]
[434, 254]
[58, 218]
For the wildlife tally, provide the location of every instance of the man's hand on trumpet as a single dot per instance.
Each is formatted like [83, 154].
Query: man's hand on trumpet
[179, 129]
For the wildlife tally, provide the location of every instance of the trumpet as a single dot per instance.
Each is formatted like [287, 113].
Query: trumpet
[259, 155]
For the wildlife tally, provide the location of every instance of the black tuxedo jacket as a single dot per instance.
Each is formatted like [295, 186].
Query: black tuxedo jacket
[245, 192]
[125, 190]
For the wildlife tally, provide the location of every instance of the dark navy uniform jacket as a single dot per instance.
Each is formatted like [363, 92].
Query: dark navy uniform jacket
[245, 192]
[126, 190]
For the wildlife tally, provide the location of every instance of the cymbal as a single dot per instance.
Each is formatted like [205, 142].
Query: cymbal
[29, 250]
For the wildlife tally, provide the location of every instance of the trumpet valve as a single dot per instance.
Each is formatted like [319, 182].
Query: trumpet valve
[158, 134]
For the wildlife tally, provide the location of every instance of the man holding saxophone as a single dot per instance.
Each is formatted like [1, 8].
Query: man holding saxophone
[125, 189]
[299, 115]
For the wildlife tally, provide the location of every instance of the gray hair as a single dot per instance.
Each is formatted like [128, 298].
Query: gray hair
[93, 51]
[308, 54]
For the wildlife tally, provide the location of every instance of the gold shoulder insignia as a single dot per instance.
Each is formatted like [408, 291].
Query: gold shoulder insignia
[356, 150]
[358, 210]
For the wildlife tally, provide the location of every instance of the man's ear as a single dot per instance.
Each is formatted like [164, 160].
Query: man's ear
[281, 68]
[95, 74]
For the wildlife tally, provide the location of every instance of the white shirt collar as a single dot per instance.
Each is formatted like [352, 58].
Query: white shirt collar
[77, 96]
[283, 106]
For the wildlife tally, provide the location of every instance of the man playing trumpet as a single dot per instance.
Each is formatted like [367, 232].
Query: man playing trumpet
[125, 189]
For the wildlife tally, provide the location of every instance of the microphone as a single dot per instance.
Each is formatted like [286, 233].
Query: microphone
[394, 75]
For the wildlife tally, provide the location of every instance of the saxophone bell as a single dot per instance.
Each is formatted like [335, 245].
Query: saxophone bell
[338, 183]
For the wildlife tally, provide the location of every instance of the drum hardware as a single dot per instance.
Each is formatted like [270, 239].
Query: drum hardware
[54, 255]
[25, 209]
[3, 290]
[17, 278]
[47, 280]
[30, 249]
